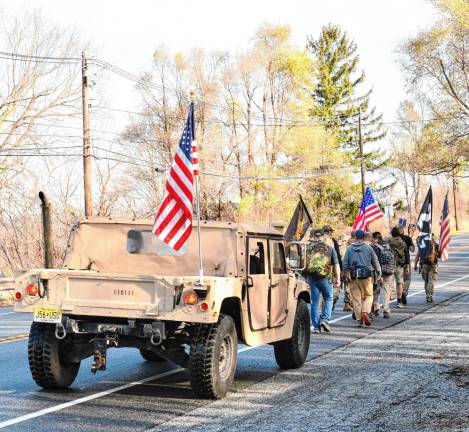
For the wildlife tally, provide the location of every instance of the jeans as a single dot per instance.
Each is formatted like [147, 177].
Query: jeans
[320, 287]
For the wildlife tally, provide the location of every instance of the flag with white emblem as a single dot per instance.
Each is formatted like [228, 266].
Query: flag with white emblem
[424, 224]
[173, 222]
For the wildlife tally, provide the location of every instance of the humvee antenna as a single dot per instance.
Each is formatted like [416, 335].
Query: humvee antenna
[197, 199]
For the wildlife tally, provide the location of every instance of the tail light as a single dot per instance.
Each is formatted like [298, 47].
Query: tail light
[18, 296]
[190, 298]
[32, 289]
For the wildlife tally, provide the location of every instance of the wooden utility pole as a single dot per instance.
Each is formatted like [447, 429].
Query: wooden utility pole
[86, 135]
[455, 199]
[360, 145]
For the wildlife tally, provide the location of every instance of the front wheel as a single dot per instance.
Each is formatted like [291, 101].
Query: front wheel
[212, 358]
[291, 353]
[46, 355]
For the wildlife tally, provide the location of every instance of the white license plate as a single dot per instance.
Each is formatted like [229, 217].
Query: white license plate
[47, 315]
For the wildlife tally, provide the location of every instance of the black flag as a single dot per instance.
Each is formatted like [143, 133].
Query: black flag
[424, 224]
[299, 223]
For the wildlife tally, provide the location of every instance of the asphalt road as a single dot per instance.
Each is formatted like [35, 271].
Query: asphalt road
[135, 395]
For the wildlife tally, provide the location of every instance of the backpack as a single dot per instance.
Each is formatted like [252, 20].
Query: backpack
[398, 248]
[318, 260]
[387, 260]
[432, 258]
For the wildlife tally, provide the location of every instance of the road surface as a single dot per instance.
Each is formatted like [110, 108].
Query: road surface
[405, 373]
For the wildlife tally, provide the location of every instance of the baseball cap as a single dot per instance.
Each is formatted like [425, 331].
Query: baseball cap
[317, 232]
[359, 234]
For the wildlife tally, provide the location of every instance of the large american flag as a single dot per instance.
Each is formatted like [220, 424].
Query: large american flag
[173, 222]
[445, 231]
[368, 212]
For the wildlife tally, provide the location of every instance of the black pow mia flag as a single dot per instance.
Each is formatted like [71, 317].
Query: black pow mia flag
[300, 222]
[424, 224]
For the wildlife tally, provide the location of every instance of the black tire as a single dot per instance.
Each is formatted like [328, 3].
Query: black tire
[151, 356]
[212, 358]
[291, 353]
[46, 362]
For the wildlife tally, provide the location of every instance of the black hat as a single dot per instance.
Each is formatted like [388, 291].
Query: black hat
[316, 232]
[327, 228]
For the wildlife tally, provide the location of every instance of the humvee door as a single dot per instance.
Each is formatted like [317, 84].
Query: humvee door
[258, 286]
[278, 284]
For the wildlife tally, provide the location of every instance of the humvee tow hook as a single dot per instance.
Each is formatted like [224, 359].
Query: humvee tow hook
[60, 332]
[100, 348]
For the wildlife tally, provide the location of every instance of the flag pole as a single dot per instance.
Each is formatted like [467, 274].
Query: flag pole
[197, 199]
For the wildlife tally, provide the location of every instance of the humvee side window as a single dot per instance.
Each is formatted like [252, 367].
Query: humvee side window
[278, 258]
[256, 257]
[144, 242]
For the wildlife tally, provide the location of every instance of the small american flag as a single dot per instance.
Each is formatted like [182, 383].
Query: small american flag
[173, 222]
[369, 211]
[445, 231]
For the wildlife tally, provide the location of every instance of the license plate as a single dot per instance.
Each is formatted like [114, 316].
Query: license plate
[47, 315]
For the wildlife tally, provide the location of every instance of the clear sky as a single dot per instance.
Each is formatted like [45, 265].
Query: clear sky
[126, 32]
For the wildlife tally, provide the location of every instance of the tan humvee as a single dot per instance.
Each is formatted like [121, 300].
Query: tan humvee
[120, 286]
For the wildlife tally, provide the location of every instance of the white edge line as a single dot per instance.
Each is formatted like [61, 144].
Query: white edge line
[86, 398]
[154, 377]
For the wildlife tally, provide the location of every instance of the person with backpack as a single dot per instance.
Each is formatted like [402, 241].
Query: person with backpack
[407, 273]
[399, 248]
[388, 266]
[429, 268]
[331, 241]
[322, 265]
[359, 263]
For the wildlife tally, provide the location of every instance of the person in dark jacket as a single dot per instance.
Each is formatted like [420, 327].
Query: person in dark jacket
[359, 263]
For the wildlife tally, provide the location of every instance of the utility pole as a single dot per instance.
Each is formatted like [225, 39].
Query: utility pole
[360, 145]
[86, 135]
[455, 199]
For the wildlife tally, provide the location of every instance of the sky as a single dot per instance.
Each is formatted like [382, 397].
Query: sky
[126, 33]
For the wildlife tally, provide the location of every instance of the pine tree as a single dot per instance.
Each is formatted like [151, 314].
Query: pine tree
[336, 98]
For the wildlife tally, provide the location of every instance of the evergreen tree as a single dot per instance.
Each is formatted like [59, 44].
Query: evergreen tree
[336, 98]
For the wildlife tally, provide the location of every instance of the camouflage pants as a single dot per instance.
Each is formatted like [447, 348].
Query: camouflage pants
[407, 280]
[429, 276]
[347, 298]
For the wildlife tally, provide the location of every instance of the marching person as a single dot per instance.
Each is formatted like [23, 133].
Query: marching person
[407, 271]
[429, 268]
[322, 265]
[328, 230]
[398, 248]
[359, 263]
[347, 298]
[388, 266]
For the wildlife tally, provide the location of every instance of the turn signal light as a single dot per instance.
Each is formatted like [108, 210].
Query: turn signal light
[32, 289]
[190, 298]
[18, 296]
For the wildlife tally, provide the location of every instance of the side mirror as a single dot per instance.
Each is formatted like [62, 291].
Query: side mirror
[296, 256]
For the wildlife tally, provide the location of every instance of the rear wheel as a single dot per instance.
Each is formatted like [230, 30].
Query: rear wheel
[212, 358]
[291, 353]
[46, 355]
[151, 356]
